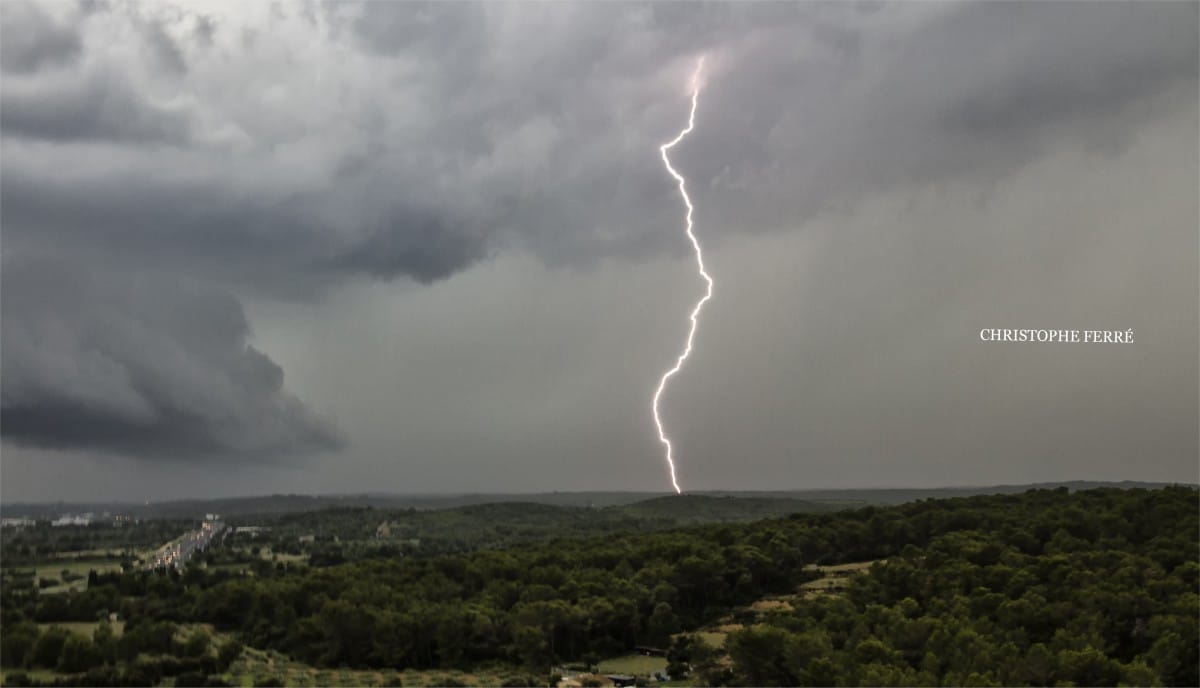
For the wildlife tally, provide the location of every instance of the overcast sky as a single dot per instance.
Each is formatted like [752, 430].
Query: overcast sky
[292, 247]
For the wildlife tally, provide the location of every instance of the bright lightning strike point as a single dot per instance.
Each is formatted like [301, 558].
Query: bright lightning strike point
[687, 349]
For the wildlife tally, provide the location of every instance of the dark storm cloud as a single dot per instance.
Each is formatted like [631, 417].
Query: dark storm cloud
[31, 40]
[98, 107]
[976, 91]
[284, 150]
[418, 246]
[423, 26]
[550, 144]
[284, 245]
[164, 49]
[1073, 64]
[203, 31]
[144, 366]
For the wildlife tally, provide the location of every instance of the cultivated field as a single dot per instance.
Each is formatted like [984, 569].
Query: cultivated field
[638, 665]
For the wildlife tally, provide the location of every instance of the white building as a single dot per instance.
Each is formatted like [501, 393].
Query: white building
[73, 520]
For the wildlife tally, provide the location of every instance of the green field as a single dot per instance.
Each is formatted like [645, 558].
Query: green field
[267, 555]
[53, 571]
[85, 628]
[79, 567]
[41, 675]
[715, 639]
[638, 665]
[256, 666]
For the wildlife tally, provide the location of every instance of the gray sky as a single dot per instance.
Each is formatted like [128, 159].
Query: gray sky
[257, 247]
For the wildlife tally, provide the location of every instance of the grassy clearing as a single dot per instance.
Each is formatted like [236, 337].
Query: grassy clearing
[638, 665]
[833, 578]
[853, 567]
[85, 628]
[53, 570]
[832, 581]
[38, 675]
[844, 570]
[267, 554]
[771, 605]
[258, 665]
[117, 554]
[823, 586]
[235, 567]
[74, 586]
[715, 639]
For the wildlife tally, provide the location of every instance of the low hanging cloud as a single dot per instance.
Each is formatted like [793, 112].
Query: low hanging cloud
[143, 366]
[88, 108]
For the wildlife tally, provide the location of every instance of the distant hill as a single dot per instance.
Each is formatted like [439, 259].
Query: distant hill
[884, 496]
[703, 508]
[362, 532]
[293, 503]
[708, 503]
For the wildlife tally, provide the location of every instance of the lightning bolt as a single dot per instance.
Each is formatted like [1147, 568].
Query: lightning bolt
[687, 349]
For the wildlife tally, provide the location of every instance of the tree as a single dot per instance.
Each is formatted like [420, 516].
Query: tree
[1169, 657]
[228, 653]
[1037, 667]
[105, 641]
[758, 655]
[679, 655]
[803, 650]
[1088, 667]
[662, 623]
[78, 655]
[17, 643]
[49, 646]
[1138, 674]
[531, 646]
[197, 644]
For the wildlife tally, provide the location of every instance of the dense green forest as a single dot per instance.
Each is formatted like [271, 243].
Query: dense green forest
[1095, 587]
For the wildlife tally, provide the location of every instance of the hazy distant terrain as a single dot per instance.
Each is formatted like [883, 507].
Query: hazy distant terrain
[809, 500]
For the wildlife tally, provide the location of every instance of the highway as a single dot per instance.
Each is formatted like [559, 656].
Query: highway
[176, 553]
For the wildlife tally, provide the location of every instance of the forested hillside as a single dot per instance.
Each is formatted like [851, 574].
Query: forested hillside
[1092, 587]
[342, 535]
